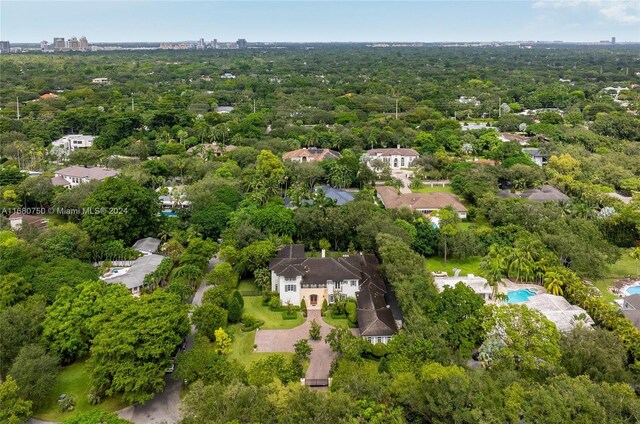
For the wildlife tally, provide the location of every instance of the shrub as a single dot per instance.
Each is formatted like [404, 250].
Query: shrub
[351, 309]
[250, 323]
[289, 314]
[235, 311]
[66, 404]
[303, 307]
[275, 304]
[93, 397]
[302, 349]
[237, 296]
[314, 331]
[325, 305]
[379, 350]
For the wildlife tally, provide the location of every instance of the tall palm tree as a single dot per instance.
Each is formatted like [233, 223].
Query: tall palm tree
[553, 283]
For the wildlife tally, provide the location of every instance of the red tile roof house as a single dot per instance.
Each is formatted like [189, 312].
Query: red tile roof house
[17, 220]
[311, 154]
[76, 175]
[422, 202]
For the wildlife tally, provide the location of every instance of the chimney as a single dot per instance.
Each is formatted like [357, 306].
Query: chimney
[398, 146]
[323, 253]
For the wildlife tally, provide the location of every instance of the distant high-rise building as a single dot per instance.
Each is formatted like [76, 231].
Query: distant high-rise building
[200, 45]
[45, 46]
[214, 43]
[58, 43]
[242, 43]
[5, 47]
[84, 43]
[613, 40]
[73, 44]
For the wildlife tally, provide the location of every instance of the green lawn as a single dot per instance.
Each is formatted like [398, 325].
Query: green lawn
[272, 320]
[242, 347]
[625, 267]
[435, 189]
[247, 284]
[469, 265]
[74, 380]
[337, 322]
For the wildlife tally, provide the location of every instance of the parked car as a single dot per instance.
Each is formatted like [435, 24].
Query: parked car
[172, 368]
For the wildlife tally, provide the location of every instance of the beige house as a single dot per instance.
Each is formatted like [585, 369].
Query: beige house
[75, 175]
[311, 154]
[421, 202]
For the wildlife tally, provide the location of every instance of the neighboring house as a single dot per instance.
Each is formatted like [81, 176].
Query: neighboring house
[537, 157]
[100, 80]
[75, 175]
[17, 220]
[315, 280]
[469, 100]
[224, 109]
[311, 154]
[147, 245]
[507, 137]
[217, 150]
[175, 199]
[69, 143]
[421, 202]
[48, 96]
[559, 311]
[227, 75]
[397, 158]
[477, 284]
[546, 193]
[631, 309]
[341, 197]
[133, 276]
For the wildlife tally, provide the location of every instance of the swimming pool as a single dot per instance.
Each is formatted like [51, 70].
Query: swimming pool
[633, 290]
[520, 296]
[169, 213]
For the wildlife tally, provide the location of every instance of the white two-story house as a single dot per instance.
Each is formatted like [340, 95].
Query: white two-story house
[315, 280]
[398, 158]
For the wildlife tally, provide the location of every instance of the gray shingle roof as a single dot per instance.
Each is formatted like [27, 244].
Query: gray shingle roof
[134, 277]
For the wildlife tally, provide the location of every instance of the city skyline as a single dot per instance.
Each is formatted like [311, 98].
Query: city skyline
[327, 21]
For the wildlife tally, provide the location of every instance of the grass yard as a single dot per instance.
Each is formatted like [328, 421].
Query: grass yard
[435, 189]
[625, 267]
[242, 347]
[74, 380]
[272, 320]
[247, 284]
[469, 265]
[337, 322]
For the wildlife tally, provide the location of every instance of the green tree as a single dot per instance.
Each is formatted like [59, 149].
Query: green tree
[314, 331]
[302, 349]
[530, 341]
[222, 344]
[122, 209]
[95, 417]
[209, 317]
[13, 289]
[635, 254]
[235, 310]
[35, 372]
[223, 275]
[13, 409]
[134, 344]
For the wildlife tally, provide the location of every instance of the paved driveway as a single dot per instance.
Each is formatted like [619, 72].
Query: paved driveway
[405, 176]
[284, 341]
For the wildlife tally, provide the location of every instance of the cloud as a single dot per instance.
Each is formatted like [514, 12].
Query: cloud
[622, 11]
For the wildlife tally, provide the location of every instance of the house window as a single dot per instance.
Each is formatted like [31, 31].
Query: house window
[337, 285]
[370, 339]
[330, 298]
[378, 339]
[353, 283]
[401, 161]
[289, 278]
[277, 287]
[289, 287]
[395, 163]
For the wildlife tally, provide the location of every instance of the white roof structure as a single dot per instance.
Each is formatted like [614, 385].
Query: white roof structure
[134, 276]
[475, 283]
[559, 311]
[147, 245]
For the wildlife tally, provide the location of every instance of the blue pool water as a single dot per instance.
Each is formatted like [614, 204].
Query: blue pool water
[520, 296]
[633, 290]
[170, 213]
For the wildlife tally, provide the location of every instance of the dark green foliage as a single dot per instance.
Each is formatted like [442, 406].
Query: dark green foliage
[235, 310]
[35, 372]
[208, 318]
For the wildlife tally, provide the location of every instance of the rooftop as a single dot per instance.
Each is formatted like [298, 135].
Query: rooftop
[418, 201]
[546, 193]
[558, 310]
[148, 245]
[92, 173]
[141, 267]
[474, 282]
[312, 153]
[398, 151]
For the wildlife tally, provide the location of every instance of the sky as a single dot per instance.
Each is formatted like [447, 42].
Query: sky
[321, 21]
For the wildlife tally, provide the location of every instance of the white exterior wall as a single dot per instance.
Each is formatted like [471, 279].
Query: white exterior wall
[461, 215]
[73, 181]
[394, 161]
[377, 339]
[347, 289]
[278, 283]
